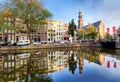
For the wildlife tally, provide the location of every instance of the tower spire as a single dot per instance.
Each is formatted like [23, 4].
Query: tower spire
[80, 20]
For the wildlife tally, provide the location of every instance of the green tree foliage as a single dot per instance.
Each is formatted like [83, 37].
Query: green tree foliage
[88, 33]
[93, 57]
[71, 27]
[79, 34]
[118, 32]
[82, 33]
[5, 21]
[72, 64]
[91, 32]
[30, 12]
[109, 37]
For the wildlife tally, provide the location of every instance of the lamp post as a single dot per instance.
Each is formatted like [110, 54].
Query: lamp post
[75, 35]
[83, 34]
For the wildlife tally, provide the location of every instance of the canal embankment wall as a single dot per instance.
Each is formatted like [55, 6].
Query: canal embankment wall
[117, 45]
[51, 46]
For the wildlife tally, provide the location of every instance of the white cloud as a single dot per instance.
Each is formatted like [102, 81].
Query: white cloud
[93, 10]
[106, 10]
[110, 12]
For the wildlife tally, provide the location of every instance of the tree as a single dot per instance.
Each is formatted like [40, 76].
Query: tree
[109, 37]
[30, 12]
[72, 64]
[82, 34]
[88, 33]
[91, 32]
[71, 27]
[8, 17]
[79, 34]
[118, 31]
[5, 20]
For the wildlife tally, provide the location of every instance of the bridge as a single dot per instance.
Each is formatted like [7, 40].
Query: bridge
[110, 44]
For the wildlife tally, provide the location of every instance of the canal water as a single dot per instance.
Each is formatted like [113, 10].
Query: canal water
[60, 66]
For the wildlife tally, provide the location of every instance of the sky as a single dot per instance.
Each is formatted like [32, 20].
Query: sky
[93, 10]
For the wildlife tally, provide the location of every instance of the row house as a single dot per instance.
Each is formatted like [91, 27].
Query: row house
[56, 30]
[40, 34]
[57, 60]
[15, 33]
[52, 31]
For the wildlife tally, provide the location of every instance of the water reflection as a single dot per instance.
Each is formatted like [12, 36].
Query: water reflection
[36, 66]
[81, 63]
[72, 62]
[26, 67]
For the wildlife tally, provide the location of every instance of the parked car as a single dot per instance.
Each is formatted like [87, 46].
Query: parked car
[65, 41]
[43, 42]
[1, 43]
[23, 42]
[50, 42]
[5, 43]
[36, 43]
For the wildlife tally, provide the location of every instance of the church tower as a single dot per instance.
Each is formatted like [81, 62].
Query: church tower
[80, 21]
[81, 63]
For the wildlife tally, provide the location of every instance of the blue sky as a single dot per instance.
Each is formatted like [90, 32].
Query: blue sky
[93, 10]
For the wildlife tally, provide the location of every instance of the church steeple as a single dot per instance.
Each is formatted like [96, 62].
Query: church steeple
[81, 63]
[80, 20]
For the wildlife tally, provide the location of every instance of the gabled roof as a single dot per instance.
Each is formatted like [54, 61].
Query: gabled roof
[98, 62]
[96, 24]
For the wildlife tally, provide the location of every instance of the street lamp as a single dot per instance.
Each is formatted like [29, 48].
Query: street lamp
[75, 33]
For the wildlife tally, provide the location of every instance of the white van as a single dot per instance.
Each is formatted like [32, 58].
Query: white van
[23, 42]
[23, 55]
